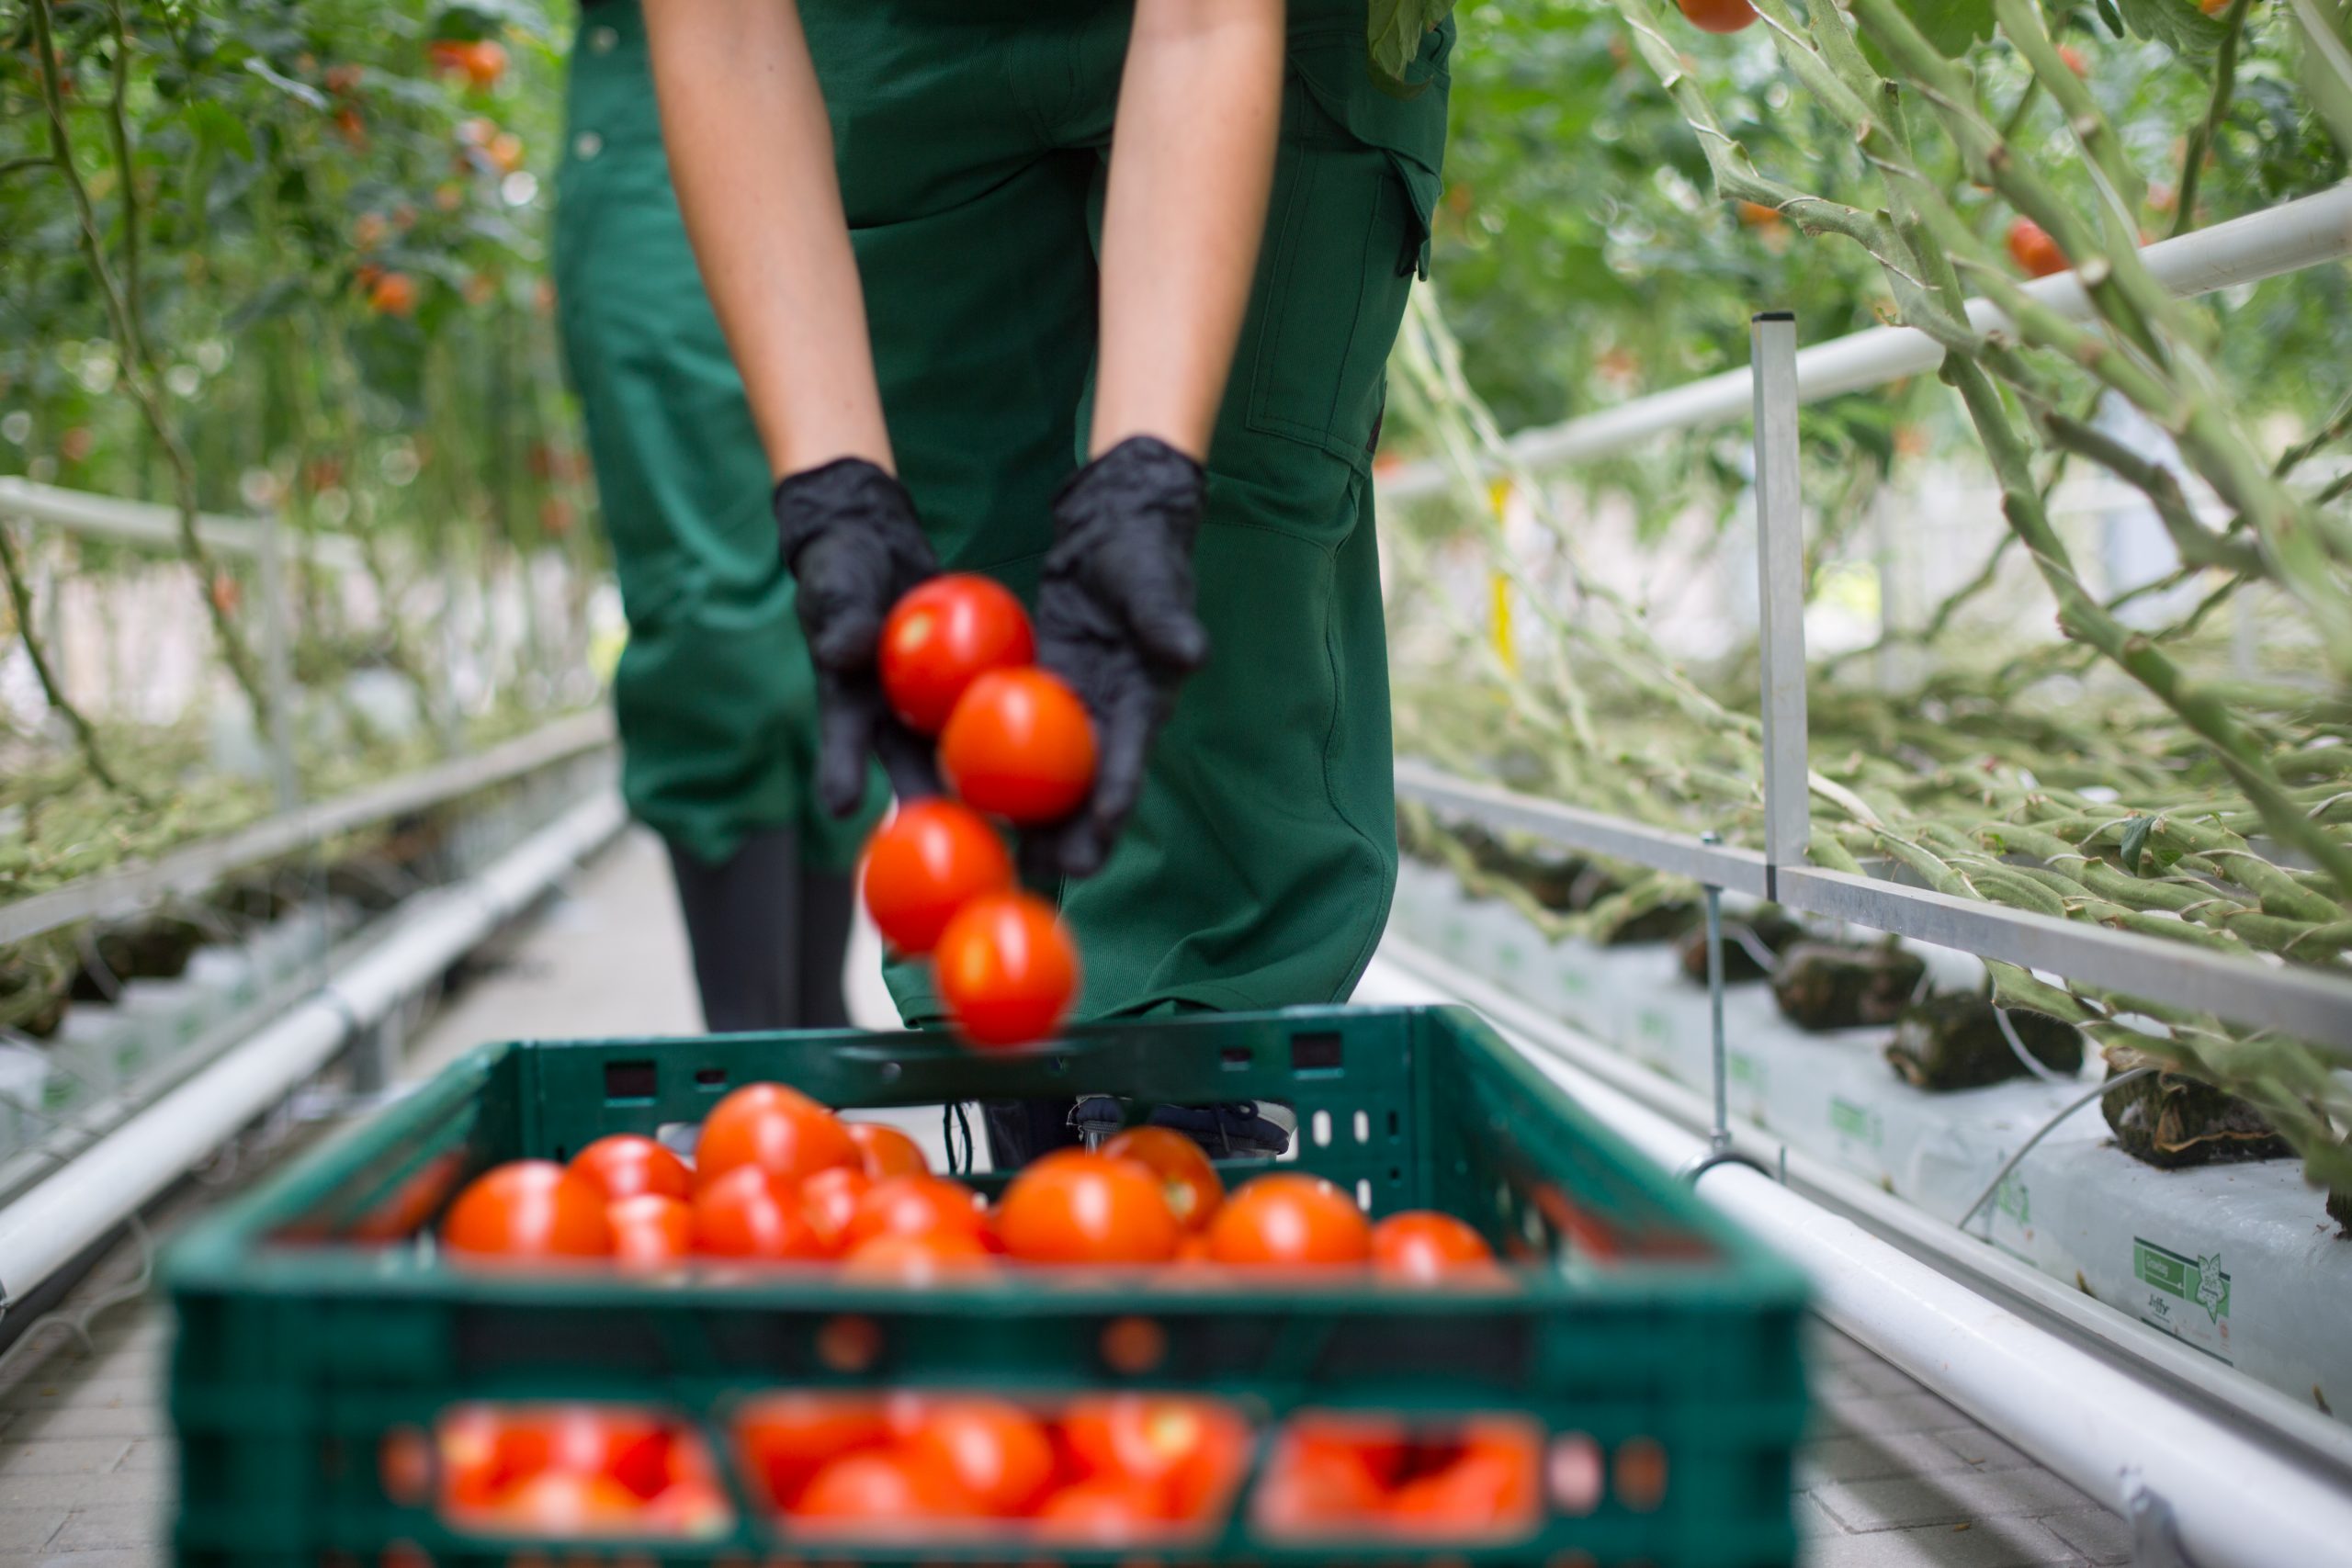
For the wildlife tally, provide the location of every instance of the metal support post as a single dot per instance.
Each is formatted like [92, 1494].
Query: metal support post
[277, 655]
[1780, 566]
[1719, 1150]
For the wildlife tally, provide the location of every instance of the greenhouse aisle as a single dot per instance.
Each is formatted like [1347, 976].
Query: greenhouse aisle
[1892, 1477]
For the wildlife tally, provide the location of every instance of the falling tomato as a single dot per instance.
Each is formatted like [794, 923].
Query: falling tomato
[1006, 969]
[1019, 745]
[928, 861]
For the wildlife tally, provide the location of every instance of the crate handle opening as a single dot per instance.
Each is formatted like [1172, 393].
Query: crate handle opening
[630, 1080]
[1317, 1053]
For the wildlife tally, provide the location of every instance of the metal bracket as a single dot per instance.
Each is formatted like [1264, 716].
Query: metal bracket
[1096, 1118]
[2156, 1538]
[1779, 574]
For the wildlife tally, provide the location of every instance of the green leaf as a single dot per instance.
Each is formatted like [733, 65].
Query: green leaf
[2135, 839]
[2111, 17]
[2179, 24]
[217, 129]
[1951, 24]
[1392, 41]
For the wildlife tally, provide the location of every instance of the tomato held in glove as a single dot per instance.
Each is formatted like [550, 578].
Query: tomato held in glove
[1423, 1246]
[928, 861]
[627, 1164]
[944, 634]
[1007, 969]
[1019, 745]
[1190, 1183]
[780, 1130]
[1073, 1207]
[528, 1209]
[747, 1213]
[1290, 1220]
[650, 1230]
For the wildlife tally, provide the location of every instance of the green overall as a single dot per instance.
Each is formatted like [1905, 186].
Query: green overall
[716, 700]
[973, 139]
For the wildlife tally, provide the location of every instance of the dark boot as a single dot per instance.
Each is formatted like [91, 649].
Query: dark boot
[744, 923]
[828, 905]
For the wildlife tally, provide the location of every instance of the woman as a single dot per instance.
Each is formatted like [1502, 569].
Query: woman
[715, 696]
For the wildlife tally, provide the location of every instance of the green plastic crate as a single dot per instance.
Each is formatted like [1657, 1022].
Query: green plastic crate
[298, 1347]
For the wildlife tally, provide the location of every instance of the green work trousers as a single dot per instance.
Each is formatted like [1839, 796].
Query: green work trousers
[973, 139]
[716, 699]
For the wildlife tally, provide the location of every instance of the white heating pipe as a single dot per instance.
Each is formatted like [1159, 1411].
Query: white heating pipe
[56, 1221]
[2282, 239]
[2233, 1502]
[143, 522]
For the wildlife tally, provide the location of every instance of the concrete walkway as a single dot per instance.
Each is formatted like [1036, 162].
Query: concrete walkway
[1892, 1477]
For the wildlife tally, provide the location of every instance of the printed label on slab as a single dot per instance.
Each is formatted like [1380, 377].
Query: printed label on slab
[2179, 1287]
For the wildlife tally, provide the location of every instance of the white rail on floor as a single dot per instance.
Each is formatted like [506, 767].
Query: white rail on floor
[143, 522]
[56, 1221]
[2185, 1477]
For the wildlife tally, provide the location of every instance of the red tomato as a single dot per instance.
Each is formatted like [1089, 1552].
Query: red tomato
[1189, 1181]
[2032, 248]
[1718, 16]
[629, 1447]
[1424, 1246]
[625, 1165]
[1289, 1219]
[1019, 745]
[788, 1438]
[748, 1214]
[928, 861]
[941, 636]
[1106, 1511]
[473, 1468]
[997, 1451]
[887, 1151]
[1188, 1452]
[828, 1199]
[567, 1503]
[484, 63]
[780, 1130]
[650, 1230]
[393, 293]
[528, 1209]
[916, 1205]
[1490, 1487]
[696, 1509]
[880, 1489]
[917, 1260]
[1074, 1207]
[1317, 1488]
[1007, 969]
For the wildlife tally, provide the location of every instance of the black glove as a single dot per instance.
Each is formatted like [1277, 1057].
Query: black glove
[851, 539]
[1114, 620]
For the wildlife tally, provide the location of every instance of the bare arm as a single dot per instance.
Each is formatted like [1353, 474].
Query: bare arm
[751, 156]
[1191, 159]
